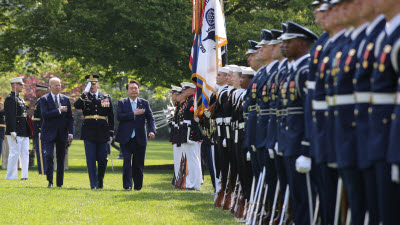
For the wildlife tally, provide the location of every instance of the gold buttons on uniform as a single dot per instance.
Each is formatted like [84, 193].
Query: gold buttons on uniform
[370, 110]
[287, 128]
[356, 112]
[384, 121]
[353, 124]
[314, 113]
[314, 120]
[336, 113]
[393, 116]
[354, 81]
[375, 65]
[326, 113]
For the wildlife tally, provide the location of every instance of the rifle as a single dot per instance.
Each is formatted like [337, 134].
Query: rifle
[235, 195]
[220, 194]
[249, 203]
[314, 221]
[263, 208]
[338, 198]
[284, 213]
[310, 203]
[259, 197]
[180, 174]
[254, 200]
[238, 198]
[274, 204]
[228, 191]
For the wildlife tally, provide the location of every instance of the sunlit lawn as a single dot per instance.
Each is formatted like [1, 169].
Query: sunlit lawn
[31, 202]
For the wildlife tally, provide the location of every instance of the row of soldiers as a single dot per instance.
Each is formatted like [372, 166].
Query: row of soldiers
[317, 124]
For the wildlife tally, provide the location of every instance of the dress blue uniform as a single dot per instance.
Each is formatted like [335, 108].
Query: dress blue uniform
[383, 87]
[293, 96]
[342, 75]
[366, 59]
[97, 129]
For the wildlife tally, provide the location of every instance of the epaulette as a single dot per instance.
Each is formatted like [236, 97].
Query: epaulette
[378, 43]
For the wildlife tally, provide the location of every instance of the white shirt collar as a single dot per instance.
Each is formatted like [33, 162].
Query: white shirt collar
[358, 31]
[374, 23]
[96, 94]
[299, 60]
[135, 101]
[349, 31]
[54, 96]
[392, 24]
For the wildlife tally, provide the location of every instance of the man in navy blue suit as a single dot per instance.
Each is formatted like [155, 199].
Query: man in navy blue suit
[57, 128]
[132, 114]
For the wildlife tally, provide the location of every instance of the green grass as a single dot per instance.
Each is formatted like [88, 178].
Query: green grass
[30, 202]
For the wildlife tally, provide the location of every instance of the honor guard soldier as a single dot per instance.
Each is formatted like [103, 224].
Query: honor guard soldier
[250, 108]
[17, 130]
[221, 169]
[37, 126]
[191, 144]
[297, 42]
[263, 112]
[383, 115]
[174, 129]
[244, 164]
[97, 129]
[322, 173]
[362, 94]
[342, 73]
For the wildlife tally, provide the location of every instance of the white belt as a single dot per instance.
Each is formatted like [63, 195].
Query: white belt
[241, 125]
[188, 122]
[219, 120]
[305, 143]
[344, 99]
[362, 97]
[319, 105]
[264, 112]
[175, 125]
[383, 98]
[227, 120]
[329, 100]
[398, 98]
[311, 85]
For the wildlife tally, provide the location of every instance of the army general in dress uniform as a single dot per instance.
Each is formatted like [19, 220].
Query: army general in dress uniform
[97, 129]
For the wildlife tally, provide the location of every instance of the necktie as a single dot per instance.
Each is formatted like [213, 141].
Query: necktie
[133, 110]
[56, 101]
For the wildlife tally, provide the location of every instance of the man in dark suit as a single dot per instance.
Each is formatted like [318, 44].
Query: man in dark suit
[57, 128]
[97, 129]
[132, 113]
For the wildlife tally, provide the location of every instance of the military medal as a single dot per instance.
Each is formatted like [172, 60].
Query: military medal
[316, 53]
[386, 50]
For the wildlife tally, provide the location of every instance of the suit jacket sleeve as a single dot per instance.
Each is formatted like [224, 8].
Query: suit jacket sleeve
[123, 116]
[44, 108]
[150, 119]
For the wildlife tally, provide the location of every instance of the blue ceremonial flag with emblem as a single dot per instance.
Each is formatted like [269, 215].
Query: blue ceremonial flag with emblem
[206, 54]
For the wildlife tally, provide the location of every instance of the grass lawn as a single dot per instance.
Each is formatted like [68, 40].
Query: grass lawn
[31, 202]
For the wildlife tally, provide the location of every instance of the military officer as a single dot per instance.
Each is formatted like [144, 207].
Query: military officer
[174, 129]
[37, 126]
[384, 84]
[17, 130]
[192, 136]
[297, 41]
[97, 128]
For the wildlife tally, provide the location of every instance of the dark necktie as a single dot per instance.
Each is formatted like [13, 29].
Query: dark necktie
[56, 101]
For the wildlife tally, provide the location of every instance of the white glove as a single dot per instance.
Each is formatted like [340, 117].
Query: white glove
[276, 146]
[14, 135]
[271, 153]
[303, 164]
[207, 113]
[88, 86]
[248, 158]
[39, 135]
[395, 174]
[109, 142]
[224, 143]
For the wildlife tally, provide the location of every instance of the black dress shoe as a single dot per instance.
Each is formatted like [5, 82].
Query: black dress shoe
[50, 185]
[100, 184]
[128, 189]
[24, 178]
[59, 186]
